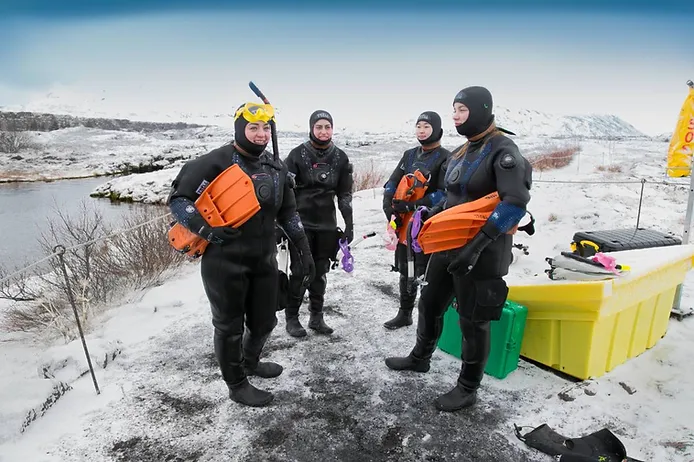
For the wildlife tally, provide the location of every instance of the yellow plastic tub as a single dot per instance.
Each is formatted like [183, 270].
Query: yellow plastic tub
[586, 329]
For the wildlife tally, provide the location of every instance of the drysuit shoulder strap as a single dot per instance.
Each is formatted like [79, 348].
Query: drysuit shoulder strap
[528, 228]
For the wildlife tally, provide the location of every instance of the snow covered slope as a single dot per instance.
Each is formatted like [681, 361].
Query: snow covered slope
[522, 121]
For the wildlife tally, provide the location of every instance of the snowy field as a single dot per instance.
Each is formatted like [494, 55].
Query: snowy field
[81, 152]
[162, 397]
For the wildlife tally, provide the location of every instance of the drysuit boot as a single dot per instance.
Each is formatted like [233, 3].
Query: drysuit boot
[295, 297]
[407, 363]
[476, 344]
[407, 298]
[227, 349]
[419, 358]
[316, 296]
[245, 393]
[417, 361]
[252, 346]
[294, 327]
[435, 299]
[317, 323]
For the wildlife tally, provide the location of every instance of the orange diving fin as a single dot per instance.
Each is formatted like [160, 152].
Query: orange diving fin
[456, 226]
[229, 200]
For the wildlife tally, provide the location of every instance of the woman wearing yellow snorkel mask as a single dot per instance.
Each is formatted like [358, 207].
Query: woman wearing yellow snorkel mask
[233, 197]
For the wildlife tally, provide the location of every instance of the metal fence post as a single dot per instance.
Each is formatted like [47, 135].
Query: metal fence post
[677, 305]
[60, 250]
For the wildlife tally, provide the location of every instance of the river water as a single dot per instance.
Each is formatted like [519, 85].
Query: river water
[25, 209]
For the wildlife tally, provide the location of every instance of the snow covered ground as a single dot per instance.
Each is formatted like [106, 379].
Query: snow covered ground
[79, 152]
[161, 393]
[82, 152]
[162, 397]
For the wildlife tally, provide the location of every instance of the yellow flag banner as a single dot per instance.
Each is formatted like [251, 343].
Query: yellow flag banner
[679, 156]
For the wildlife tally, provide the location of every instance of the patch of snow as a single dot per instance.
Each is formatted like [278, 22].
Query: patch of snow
[162, 396]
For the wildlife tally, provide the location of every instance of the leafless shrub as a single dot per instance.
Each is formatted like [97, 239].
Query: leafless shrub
[101, 266]
[612, 168]
[13, 141]
[554, 157]
[368, 178]
[49, 315]
[143, 255]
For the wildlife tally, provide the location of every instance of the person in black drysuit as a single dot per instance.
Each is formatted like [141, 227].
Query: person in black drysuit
[430, 158]
[323, 172]
[239, 267]
[474, 273]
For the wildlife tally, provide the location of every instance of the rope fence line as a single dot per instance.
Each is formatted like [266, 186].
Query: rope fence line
[641, 181]
[588, 182]
[60, 249]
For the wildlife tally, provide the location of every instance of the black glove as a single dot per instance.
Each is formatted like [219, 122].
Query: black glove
[309, 268]
[469, 254]
[349, 233]
[219, 234]
[401, 206]
[307, 264]
[213, 234]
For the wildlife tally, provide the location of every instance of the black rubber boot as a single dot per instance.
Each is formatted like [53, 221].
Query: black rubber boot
[407, 363]
[264, 369]
[402, 319]
[456, 399]
[228, 351]
[295, 298]
[252, 347]
[316, 297]
[476, 345]
[247, 394]
[294, 327]
[317, 323]
[408, 295]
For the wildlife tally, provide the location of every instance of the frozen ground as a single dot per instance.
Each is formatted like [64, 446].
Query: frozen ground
[162, 397]
[161, 393]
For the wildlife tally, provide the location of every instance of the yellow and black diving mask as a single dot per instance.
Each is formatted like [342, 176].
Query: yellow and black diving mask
[253, 112]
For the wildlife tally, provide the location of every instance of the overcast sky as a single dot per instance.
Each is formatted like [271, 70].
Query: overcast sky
[359, 65]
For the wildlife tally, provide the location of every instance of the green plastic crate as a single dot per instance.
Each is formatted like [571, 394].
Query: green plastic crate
[507, 337]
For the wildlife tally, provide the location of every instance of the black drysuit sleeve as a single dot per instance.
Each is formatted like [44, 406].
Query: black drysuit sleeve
[513, 182]
[391, 185]
[288, 218]
[439, 203]
[290, 162]
[344, 193]
[193, 178]
[436, 192]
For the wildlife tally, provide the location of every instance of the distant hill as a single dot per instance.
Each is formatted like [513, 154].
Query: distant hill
[45, 122]
[68, 109]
